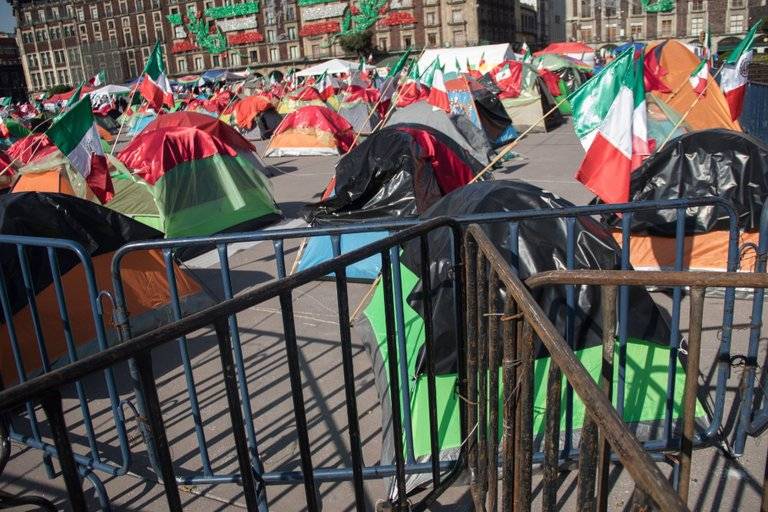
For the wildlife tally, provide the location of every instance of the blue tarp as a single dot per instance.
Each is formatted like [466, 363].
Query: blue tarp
[319, 249]
[141, 123]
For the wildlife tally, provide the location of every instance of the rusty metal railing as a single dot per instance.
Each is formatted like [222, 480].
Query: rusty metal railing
[503, 322]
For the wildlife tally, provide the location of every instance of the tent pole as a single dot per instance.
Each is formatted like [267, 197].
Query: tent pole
[299, 253]
[120, 130]
[364, 299]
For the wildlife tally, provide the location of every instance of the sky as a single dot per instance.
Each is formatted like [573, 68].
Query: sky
[7, 21]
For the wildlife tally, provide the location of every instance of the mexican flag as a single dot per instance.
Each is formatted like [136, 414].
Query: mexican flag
[602, 109]
[641, 145]
[438, 94]
[389, 85]
[75, 134]
[527, 57]
[155, 87]
[75, 96]
[428, 76]
[733, 81]
[699, 76]
[412, 90]
[98, 79]
[324, 86]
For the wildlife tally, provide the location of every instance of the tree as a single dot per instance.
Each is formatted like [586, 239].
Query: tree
[360, 43]
[58, 89]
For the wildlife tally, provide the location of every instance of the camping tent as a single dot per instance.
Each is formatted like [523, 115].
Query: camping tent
[710, 163]
[491, 54]
[356, 109]
[100, 231]
[309, 131]
[110, 90]
[571, 74]
[575, 50]
[395, 173]
[203, 177]
[677, 63]
[482, 107]
[458, 128]
[331, 67]
[256, 116]
[541, 245]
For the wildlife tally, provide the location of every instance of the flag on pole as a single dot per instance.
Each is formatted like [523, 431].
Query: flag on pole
[429, 74]
[75, 96]
[98, 79]
[641, 145]
[412, 90]
[324, 86]
[481, 63]
[458, 65]
[527, 57]
[438, 94]
[75, 134]
[155, 87]
[734, 76]
[389, 85]
[699, 76]
[601, 108]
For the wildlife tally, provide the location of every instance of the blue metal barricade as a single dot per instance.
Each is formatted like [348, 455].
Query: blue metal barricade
[754, 116]
[19, 289]
[221, 245]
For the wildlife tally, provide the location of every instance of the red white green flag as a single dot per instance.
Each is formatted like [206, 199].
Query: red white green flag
[155, 87]
[734, 76]
[699, 77]
[438, 94]
[98, 79]
[605, 122]
[324, 86]
[75, 134]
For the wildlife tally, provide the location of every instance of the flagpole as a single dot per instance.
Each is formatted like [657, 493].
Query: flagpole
[685, 115]
[506, 149]
[122, 123]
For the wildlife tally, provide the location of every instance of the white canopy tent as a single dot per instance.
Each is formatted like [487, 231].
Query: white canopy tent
[332, 67]
[109, 90]
[492, 54]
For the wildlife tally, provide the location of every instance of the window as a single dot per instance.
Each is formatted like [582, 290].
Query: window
[271, 36]
[28, 17]
[609, 9]
[158, 32]
[108, 10]
[123, 6]
[586, 33]
[234, 59]
[36, 80]
[145, 53]
[636, 30]
[459, 38]
[68, 8]
[430, 18]
[586, 8]
[637, 7]
[269, 17]
[49, 78]
[45, 59]
[139, 5]
[697, 5]
[291, 32]
[62, 77]
[208, 4]
[83, 30]
[383, 44]
[69, 30]
[293, 52]
[27, 37]
[457, 16]
[181, 65]
[274, 54]
[155, 4]
[736, 23]
[128, 36]
[80, 14]
[666, 28]
[157, 16]
[55, 33]
[432, 38]
[697, 26]
[737, 3]
[59, 54]
[111, 24]
[315, 51]
[55, 13]
[407, 41]
[41, 15]
[198, 63]
[215, 61]
[290, 13]
[610, 32]
[32, 61]
[94, 12]
[141, 19]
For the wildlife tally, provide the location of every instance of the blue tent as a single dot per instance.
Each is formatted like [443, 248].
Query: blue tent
[141, 122]
[320, 249]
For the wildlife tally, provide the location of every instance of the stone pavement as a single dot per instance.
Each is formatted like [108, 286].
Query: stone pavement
[549, 161]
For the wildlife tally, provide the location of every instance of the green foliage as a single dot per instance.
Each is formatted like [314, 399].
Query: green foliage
[230, 11]
[174, 19]
[360, 43]
[658, 5]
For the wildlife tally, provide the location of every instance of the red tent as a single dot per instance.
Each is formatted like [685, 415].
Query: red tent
[312, 130]
[566, 48]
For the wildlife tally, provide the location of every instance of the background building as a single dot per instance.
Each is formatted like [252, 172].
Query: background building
[605, 22]
[12, 81]
[65, 41]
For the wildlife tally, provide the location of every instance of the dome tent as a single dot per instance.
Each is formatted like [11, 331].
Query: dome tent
[202, 175]
[311, 131]
[542, 245]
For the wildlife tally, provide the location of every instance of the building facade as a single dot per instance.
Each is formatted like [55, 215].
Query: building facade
[65, 41]
[606, 22]
[12, 83]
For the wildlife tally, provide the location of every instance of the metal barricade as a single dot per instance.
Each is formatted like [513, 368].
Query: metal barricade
[222, 244]
[503, 320]
[38, 259]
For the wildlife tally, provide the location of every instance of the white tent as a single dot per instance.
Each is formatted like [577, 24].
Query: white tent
[492, 54]
[109, 90]
[332, 67]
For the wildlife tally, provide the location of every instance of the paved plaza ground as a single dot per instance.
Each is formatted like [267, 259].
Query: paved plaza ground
[549, 161]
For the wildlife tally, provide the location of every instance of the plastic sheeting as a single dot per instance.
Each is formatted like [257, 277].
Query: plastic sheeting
[98, 229]
[392, 175]
[541, 246]
[722, 163]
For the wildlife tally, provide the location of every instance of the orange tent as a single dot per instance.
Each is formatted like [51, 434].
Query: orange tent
[247, 109]
[677, 63]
